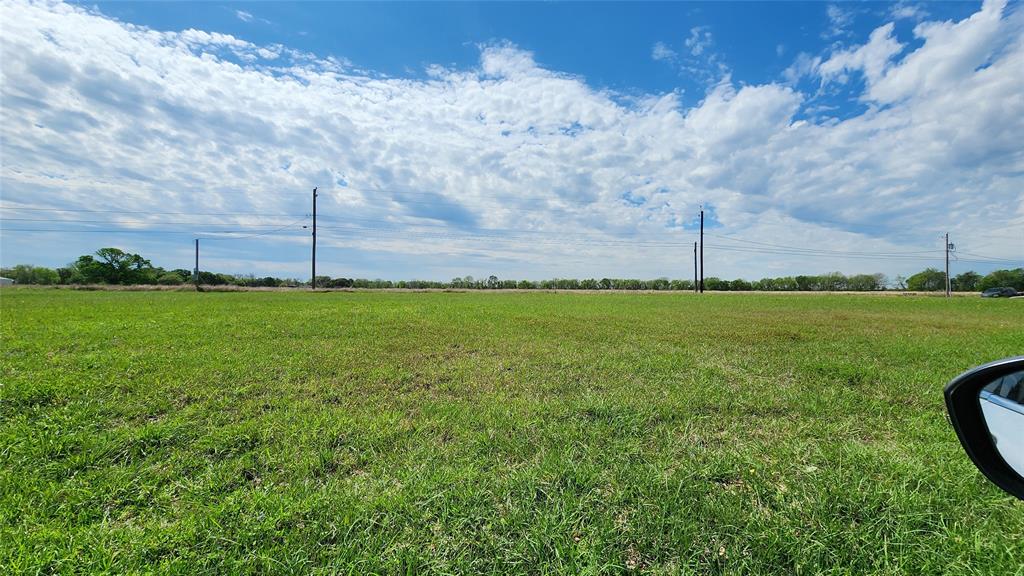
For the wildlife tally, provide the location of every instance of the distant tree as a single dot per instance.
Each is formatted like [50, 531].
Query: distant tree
[492, 282]
[966, 282]
[681, 285]
[881, 281]
[170, 279]
[833, 281]
[714, 283]
[927, 280]
[900, 282]
[567, 284]
[998, 278]
[806, 283]
[28, 274]
[212, 279]
[113, 266]
[866, 282]
[740, 285]
[66, 274]
[186, 275]
[785, 283]
[658, 284]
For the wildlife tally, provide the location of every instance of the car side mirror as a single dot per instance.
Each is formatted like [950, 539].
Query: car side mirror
[986, 408]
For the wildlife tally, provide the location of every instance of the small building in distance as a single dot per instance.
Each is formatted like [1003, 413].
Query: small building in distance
[6, 281]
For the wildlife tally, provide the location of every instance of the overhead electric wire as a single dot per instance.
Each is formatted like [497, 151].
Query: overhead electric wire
[34, 209]
[133, 222]
[633, 242]
[476, 232]
[817, 250]
[406, 230]
[993, 258]
[267, 233]
[755, 250]
[122, 231]
[400, 234]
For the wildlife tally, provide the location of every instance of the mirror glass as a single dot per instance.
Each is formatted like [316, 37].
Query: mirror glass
[1002, 405]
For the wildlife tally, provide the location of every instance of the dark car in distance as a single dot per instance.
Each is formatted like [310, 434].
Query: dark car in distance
[1002, 292]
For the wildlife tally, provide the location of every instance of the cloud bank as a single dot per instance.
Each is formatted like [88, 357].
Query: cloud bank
[514, 168]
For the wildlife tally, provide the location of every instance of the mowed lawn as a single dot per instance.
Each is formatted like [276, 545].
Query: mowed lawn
[456, 433]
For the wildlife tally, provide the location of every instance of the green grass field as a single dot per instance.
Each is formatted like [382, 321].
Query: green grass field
[456, 433]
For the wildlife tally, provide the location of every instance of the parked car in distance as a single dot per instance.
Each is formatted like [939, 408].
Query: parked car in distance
[1001, 292]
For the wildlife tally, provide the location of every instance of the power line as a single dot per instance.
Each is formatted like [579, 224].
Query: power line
[993, 258]
[627, 242]
[34, 209]
[817, 250]
[267, 233]
[395, 233]
[478, 232]
[498, 238]
[385, 190]
[123, 231]
[495, 235]
[754, 250]
[79, 221]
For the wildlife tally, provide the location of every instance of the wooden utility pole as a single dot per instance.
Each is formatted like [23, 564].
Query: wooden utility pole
[702, 250]
[695, 267]
[949, 287]
[195, 274]
[312, 279]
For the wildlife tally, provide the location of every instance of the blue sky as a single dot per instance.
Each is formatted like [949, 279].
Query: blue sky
[523, 140]
[607, 43]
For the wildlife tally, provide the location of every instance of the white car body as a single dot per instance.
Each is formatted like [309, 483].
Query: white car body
[1005, 421]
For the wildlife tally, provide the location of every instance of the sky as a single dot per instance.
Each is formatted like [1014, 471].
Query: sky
[523, 140]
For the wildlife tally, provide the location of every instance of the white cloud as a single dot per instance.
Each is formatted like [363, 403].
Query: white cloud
[803, 65]
[952, 53]
[698, 61]
[699, 40]
[661, 51]
[838, 21]
[243, 15]
[100, 114]
[871, 58]
[903, 10]
[506, 60]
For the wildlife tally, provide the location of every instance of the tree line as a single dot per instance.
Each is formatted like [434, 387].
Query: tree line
[114, 266]
[117, 267]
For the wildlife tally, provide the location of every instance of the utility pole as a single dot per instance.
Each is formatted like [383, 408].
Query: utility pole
[195, 275]
[694, 267]
[702, 250]
[949, 286]
[312, 279]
